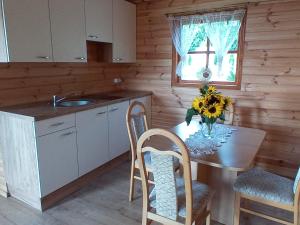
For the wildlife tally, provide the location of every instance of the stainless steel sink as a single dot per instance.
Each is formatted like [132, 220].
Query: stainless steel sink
[74, 102]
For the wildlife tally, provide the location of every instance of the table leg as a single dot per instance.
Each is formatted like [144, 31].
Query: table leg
[221, 181]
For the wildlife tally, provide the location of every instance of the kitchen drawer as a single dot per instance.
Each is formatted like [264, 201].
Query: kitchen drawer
[48, 126]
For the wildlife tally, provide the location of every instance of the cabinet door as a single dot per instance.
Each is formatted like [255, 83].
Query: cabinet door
[68, 30]
[99, 20]
[57, 160]
[124, 32]
[118, 136]
[92, 139]
[28, 30]
[147, 103]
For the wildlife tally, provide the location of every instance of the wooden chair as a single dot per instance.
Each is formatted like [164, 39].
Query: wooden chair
[137, 124]
[175, 200]
[229, 115]
[270, 189]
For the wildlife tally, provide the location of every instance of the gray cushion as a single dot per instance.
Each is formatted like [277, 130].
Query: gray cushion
[297, 179]
[262, 184]
[201, 195]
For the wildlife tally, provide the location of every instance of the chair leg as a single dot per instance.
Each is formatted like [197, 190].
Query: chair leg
[145, 220]
[237, 208]
[208, 218]
[296, 217]
[131, 190]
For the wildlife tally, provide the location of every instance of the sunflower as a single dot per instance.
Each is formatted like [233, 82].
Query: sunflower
[227, 101]
[221, 99]
[198, 104]
[212, 99]
[211, 89]
[213, 111]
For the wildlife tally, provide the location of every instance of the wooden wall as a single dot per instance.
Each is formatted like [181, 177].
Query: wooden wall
[30, 82]
[269, 96]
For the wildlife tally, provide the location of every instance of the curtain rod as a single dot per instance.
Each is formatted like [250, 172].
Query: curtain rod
[199, 12]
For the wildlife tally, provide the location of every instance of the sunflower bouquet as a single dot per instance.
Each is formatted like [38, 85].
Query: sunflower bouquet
[210, 105]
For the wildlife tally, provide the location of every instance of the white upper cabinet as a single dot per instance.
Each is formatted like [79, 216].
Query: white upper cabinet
[68, 30]
[28, 30]
[99, 20]
[124, 32]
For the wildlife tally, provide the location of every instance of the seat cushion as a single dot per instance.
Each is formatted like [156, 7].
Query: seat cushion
[262, 184]
[201, 196]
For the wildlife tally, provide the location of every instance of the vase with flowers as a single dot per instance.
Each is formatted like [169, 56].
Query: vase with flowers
[211, 106]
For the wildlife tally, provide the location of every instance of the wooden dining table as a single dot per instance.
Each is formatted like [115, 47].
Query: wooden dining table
[220, 169]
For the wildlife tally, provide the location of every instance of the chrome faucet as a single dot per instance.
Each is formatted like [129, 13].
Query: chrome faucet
[56, 99]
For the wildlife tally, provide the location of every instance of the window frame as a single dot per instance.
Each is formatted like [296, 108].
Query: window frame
[177, 82]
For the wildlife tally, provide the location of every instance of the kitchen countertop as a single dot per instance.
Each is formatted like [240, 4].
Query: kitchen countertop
[45, 110]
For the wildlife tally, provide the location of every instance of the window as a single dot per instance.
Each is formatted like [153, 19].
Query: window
[202, 55]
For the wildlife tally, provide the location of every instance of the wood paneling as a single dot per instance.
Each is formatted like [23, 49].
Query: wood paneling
[31, 82]
[268, 98]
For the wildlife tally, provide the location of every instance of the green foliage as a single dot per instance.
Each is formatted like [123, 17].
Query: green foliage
[204, 89]
[234, 46]
[231, 76]
[190, 60]
[200, 37]
[189, 115]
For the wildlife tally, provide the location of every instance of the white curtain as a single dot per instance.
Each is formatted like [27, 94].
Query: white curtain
[183, 30]
[222, 30]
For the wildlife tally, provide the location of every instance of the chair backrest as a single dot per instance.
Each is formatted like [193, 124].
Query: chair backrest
[162, 162]
[297, 187]
[229, 114]
[136, 120]
[297, 181]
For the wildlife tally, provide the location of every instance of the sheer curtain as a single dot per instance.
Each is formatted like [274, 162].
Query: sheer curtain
[222, 30]
[183, 30]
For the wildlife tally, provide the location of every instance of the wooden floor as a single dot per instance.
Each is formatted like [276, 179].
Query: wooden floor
[103, 202]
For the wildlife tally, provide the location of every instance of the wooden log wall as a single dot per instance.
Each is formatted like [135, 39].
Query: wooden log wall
[269, 96]
[31, 82]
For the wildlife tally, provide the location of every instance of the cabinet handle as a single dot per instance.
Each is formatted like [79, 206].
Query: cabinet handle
[67, 134]
[80, 58]
[57, 124]
[101, 113]
[43, 57]
[114, 109]
[93, 36]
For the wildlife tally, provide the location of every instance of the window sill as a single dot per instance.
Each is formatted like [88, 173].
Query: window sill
[218, 85]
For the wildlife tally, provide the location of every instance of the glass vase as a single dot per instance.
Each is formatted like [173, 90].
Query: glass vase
[208, 130]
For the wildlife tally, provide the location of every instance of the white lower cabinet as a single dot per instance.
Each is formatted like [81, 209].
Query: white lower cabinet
[57, 160]
[118, 136]
[43, 156]
[92, 139]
